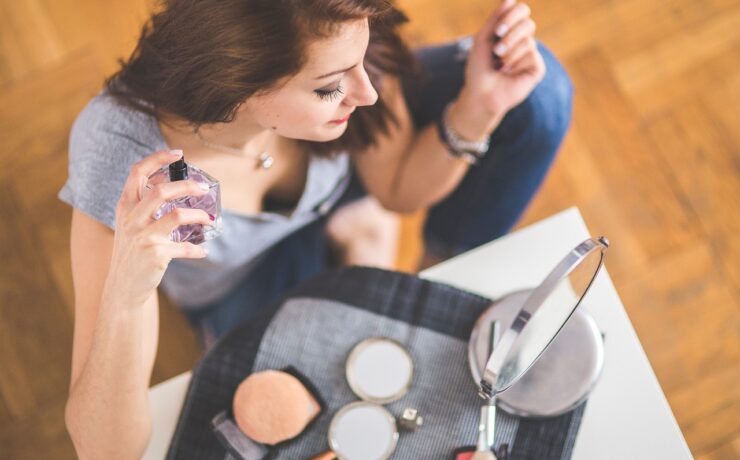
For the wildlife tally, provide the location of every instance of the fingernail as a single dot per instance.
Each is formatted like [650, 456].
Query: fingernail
[500, 49]
[203, 186]
[501, 30]
[212, 217]
[176, 153]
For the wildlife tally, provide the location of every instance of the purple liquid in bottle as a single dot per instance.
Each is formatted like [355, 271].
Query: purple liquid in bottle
[210, 202]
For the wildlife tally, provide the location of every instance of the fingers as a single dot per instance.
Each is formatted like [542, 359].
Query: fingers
[139, 174]
[184, 251]
[488, 30]
[520, 33]
[530, 62]
[502, 9]
[144, 211]
[524, 47]
[510, 18]
[181, 216]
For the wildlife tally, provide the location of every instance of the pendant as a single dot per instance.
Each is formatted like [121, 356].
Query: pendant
[265, 161]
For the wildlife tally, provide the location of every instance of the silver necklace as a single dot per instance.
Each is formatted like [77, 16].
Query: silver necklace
[264, 160]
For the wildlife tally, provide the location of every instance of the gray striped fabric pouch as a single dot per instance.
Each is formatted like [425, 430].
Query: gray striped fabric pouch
[314, 327]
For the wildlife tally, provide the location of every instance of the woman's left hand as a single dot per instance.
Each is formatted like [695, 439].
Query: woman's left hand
[509, 36]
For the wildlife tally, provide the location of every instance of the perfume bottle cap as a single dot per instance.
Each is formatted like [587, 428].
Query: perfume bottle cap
[178, 170]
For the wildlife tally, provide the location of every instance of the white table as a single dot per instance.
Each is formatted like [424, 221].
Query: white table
[627, 416]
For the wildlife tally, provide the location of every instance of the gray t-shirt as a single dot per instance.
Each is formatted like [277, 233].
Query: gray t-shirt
[107, 138]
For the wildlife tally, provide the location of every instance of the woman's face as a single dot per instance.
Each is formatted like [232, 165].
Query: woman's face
[314, 104]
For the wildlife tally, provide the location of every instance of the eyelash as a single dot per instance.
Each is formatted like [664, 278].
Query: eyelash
[325, 94]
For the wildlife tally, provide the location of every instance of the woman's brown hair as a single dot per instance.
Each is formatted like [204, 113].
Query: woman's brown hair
[200, 59]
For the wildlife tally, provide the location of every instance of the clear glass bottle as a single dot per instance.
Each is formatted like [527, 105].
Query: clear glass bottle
[210, 202]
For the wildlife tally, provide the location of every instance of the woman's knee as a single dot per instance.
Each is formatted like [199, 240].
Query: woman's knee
[555, 92]
[552, 99]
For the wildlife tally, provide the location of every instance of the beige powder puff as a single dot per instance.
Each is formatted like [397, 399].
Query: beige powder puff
[273, 406]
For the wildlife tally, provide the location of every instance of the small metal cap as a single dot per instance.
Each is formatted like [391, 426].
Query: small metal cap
[410, 420]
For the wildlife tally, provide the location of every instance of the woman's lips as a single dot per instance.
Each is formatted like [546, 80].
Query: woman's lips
[339, 122]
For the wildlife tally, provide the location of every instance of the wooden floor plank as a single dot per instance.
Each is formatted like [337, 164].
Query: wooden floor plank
[35, 327]
[694, 82]
[688, 319]
[108, 28]
[660, 61]
[39, 437]
[38, 112]
[704, 162]
[609, 127]
[727, 451]
[28, 38]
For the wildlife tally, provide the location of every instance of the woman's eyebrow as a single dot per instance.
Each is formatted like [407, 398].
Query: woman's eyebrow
[336, 72]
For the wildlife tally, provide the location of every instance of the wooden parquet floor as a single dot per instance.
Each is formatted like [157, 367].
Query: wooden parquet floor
[652, 161]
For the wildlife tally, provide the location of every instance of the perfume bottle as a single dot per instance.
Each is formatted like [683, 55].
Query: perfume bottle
[210, 202]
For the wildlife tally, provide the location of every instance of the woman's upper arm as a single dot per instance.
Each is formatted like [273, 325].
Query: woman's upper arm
[91, 247]
[379, 165]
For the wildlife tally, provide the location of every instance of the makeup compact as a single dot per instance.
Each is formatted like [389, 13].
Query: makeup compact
[362, 431]
[379, 371]
[548, 355]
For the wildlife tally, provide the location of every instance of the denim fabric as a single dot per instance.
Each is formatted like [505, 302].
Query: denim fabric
[494, 194]
[485, 205]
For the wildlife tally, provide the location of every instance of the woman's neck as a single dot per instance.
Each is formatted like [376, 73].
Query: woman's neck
[240, 134]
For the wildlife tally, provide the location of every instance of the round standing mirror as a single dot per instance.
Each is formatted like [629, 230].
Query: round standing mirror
[363, 431]
[561, 378]
[379, 370]
[543, 315]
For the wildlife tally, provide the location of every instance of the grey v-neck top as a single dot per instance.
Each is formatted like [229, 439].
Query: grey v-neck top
[106, 140]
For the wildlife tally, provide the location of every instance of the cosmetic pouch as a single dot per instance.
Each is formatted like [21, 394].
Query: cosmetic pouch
[314, 327]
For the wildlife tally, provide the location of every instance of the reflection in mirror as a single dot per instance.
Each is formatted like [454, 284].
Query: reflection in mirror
[550, 318]
[363, 431]
[379, 370]
[543, 315]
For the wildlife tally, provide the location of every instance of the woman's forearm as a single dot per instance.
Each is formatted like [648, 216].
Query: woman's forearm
[429, 173]
[107, 412]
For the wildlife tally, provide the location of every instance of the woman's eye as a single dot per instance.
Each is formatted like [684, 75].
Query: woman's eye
[329, 94]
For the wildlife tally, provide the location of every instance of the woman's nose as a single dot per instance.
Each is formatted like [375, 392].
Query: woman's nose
[363, 92]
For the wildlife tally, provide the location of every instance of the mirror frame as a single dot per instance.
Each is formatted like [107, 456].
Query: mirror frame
[562, 270]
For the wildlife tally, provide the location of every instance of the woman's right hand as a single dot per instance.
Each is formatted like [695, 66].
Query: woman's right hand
[142, 248]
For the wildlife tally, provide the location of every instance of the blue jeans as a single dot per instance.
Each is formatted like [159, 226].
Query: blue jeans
[486, 204]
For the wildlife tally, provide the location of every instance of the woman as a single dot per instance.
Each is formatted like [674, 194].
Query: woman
[330, 93]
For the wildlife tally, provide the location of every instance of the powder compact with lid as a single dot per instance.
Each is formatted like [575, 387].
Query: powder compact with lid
[379, 370]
